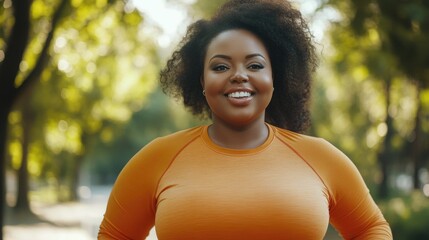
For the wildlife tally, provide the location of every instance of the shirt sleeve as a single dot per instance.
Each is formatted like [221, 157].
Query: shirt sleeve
[130, 212]
[353, 211]
[131, 208]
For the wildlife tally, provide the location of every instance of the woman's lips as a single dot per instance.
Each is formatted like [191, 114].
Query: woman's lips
[239, 94]
[239, 98]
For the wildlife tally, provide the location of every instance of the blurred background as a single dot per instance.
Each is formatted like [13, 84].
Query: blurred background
[79, 96]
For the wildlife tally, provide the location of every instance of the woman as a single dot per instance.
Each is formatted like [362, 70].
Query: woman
[250, 174]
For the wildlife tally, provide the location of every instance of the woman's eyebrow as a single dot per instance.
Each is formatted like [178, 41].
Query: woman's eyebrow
[220, 56]
[255, 55]
[229, 58]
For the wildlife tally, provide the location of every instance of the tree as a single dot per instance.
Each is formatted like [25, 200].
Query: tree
[404, 31]
[401, 30]
[88, 78]
[102, 79]
[9, 69]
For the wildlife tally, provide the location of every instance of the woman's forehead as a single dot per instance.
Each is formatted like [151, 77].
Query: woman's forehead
[236, 41]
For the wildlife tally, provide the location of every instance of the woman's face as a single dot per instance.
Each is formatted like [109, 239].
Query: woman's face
[237, 78]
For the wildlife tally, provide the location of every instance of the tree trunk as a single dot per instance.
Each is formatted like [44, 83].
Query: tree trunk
[4, 113]
[74, 178]
[22, 202]
[9, 68]
[416, 145]
[77, 165]
[385, 153]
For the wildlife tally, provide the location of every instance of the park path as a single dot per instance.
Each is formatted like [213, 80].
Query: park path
[67, 221]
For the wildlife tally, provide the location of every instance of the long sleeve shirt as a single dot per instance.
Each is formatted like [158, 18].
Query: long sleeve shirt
[290, 187]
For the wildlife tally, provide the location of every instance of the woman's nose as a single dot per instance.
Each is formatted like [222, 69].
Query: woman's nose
[239, 76]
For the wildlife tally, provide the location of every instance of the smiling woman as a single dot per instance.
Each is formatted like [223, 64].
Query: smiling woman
[251, 173]
[238, 87]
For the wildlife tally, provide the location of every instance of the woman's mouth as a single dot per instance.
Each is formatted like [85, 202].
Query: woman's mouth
[240, 98]
[239, 94]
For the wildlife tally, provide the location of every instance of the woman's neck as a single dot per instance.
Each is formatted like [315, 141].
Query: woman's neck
[238, 137]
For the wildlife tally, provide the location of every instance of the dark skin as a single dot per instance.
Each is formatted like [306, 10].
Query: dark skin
[238, 87]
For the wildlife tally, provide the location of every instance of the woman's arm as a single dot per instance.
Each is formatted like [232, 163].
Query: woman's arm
[352, 210]
[130, 213]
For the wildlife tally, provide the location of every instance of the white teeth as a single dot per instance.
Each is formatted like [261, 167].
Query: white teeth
[239, 94]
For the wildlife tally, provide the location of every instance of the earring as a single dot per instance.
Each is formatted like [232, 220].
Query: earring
[204, 92]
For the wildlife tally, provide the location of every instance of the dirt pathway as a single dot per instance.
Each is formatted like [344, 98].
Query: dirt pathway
[67, 221]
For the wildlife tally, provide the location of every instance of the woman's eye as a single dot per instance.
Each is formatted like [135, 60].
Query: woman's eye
[256, 66]
[220, 68]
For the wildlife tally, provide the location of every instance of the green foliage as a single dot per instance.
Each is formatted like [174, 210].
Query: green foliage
[6, 21]
[201, 8]
[374, 43]
[204, 8]
[101, 68]
[159, 117]
[408, 216]
[402, 28]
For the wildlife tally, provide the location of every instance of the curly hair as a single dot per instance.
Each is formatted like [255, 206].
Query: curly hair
[288, 40]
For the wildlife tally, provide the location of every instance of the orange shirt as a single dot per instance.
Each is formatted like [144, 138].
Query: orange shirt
[290, 187]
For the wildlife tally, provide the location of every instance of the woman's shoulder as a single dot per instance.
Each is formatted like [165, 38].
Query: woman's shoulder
[173, 141]
[335, 169]
[161, 151]
[294, 138]
[179, 136]
[313, 149]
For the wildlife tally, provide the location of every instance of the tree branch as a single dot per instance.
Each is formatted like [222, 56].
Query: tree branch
[16, 46]
[38, 68]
